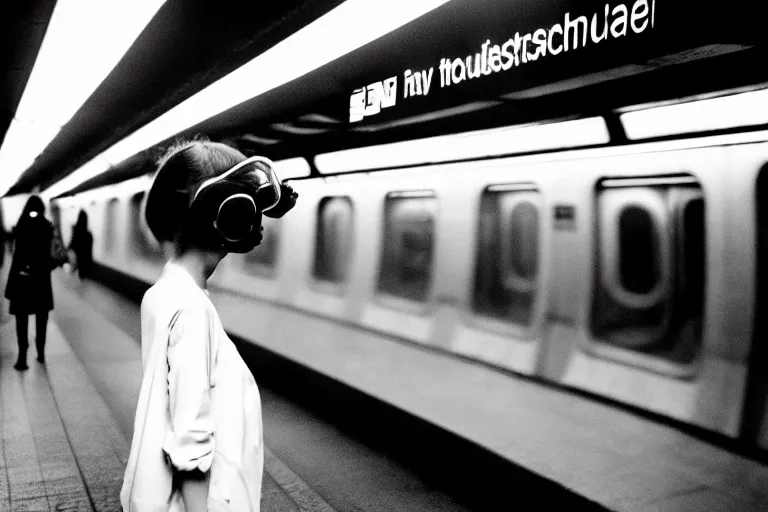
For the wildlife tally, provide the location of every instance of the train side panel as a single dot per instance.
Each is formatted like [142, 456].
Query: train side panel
[629, 274]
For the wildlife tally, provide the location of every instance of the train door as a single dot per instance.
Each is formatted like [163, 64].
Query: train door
[334, 240]
[507, 275]
[406, 265]
[754, 428]
[649, 283]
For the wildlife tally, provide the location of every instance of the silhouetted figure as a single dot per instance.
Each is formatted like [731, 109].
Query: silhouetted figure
[82, 245]
[29, 282]
[3, 239]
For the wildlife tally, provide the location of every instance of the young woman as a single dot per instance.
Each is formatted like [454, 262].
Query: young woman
[29, 281]
[197, 443]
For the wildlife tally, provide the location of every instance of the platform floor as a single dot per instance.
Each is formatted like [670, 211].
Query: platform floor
[615, 458]
[65, 426]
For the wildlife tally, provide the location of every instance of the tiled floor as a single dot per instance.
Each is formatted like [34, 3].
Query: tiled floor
[61, 446]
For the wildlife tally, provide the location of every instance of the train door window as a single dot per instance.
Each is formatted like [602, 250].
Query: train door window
[110, 226]
[261, 260]
[334, 239]
[638, 250]
[142, 245]
[754, 426]
[408, 244]
[649, 288]
[507, 269]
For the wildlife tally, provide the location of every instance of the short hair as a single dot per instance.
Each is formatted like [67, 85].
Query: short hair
[182, 168]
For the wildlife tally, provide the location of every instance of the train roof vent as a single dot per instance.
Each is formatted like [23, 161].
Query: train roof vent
[256, 139]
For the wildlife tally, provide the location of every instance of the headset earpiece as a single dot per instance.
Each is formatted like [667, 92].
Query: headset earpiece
[234, 220]
[226, 211]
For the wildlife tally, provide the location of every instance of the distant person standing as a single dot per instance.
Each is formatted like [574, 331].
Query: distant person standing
[82, 245]
[29, 281]
[2, 241]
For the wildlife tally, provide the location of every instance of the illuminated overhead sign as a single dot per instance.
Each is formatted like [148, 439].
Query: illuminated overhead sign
[611, 22]
[368, 101]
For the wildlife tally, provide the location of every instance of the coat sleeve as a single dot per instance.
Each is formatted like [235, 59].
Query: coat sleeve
[189, 443]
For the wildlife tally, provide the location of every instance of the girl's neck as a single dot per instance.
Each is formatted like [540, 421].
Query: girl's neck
[199, 265]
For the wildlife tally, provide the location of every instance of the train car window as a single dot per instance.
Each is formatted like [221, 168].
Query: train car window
[650, 278]
[141, 245]
[507, 268]
[408, 244]
[638, 249]
[334, 237]
[525, 225]
[261, 261]
[110, 226]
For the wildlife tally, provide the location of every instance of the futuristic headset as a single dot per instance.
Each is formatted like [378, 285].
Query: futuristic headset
[225, 212]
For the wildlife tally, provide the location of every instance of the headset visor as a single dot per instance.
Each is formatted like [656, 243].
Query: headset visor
[257, 173]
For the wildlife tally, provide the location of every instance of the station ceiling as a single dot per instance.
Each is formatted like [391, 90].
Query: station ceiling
[691, 50]
[187, 46]
[22, 27]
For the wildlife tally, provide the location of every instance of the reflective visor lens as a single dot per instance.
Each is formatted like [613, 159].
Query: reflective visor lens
[257, 172]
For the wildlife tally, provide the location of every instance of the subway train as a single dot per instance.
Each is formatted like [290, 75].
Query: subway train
[627, 272]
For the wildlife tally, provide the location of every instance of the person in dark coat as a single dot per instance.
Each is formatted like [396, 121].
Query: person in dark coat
[82, 245]
[29, 281]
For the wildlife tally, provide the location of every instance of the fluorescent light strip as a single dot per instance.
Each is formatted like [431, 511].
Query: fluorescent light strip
[92, 167]
[477, 144]
[736, 110]
[127, 188]
[360, 22]
[84, 41]
[285, 169]
[292, 168]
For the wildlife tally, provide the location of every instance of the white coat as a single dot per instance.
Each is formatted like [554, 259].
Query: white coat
[199, 406]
